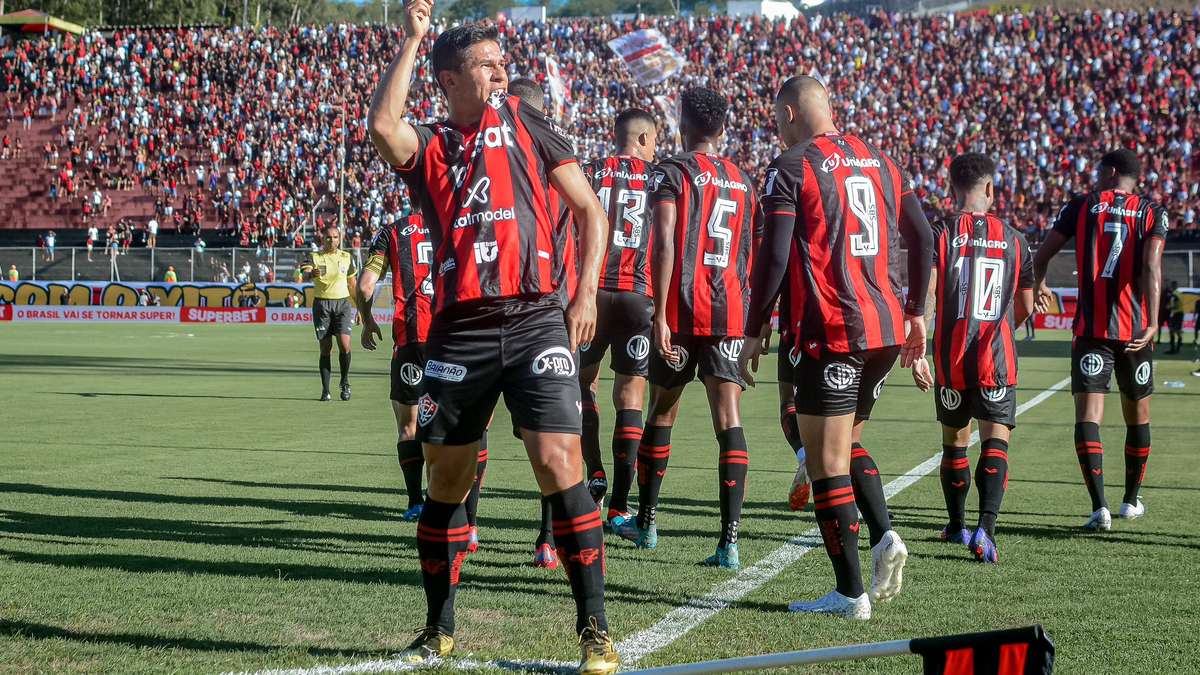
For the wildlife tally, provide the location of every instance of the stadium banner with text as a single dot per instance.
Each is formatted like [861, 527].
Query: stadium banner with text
[648, 55]
[126, 294]
[221, 315]
[94, 314]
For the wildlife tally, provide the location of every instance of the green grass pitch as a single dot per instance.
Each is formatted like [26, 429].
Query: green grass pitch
[174, 500]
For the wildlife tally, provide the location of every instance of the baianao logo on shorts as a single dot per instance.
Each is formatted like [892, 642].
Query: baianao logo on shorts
[556, 361]
[1091, 363]
[950, 398]
[1142, 374]
[638, 347]
[448, 372]
[731, 348]
[839, 376]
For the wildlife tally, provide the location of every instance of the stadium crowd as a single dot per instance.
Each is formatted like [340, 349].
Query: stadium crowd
[245, 131]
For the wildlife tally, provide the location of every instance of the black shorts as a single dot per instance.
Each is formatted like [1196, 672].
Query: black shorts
[835, 384]
[479, 350]
[408, 372]
[1176, 322]
[623, 323]
[710, 355]
[1093, 362]
[957, 407]
[332, 317]
[789, 357]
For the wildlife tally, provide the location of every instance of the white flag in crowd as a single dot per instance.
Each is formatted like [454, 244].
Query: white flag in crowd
[648, 55]
[560, 93]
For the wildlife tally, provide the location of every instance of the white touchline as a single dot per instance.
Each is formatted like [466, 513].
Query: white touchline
[681, 620]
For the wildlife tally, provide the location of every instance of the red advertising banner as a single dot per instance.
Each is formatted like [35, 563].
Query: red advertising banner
[223, 315]
[6, 312]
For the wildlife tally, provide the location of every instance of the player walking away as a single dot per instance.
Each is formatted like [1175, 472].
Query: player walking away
[1175, 317]
[623, 304]
[983, 291]
[498, 326]
[332, 272]
[705, 214]
[845, 206]
[1119, 239]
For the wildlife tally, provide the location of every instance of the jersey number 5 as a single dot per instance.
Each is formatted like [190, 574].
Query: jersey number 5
[860, 192]
[719, 232]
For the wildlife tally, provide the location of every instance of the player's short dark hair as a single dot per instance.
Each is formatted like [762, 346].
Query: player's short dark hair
[450, 47]
[969, 169]
[529, 91]
[627, 119]
[704, 110]
[1124, 161]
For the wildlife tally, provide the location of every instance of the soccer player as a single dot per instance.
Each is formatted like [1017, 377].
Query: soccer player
[983, 291]
[623, 304]
[481, 179]
[705, 215]
[788, 358]
[332, 272]
[845, 206]
[1119, 239]
[1175, 317]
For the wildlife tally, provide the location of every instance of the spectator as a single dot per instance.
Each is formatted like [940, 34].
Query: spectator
[13, 274]
[92, 233]
[151, 233]
[50, 240]
[170, 277]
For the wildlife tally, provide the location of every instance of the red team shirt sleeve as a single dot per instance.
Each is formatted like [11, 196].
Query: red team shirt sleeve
[412, 169]
[549, 140]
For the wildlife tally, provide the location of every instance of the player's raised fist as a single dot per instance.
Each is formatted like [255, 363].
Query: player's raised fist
[417, 14]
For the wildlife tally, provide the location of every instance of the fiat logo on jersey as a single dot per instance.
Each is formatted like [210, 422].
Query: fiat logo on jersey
[410, 374]
[995, 394]
[556, 361]
[839, 376]
[1142, 374]
[638, 347]
[950, 398]
[731, 348]
[1091, 363]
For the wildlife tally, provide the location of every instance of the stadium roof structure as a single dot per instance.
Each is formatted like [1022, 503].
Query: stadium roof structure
[33, 21]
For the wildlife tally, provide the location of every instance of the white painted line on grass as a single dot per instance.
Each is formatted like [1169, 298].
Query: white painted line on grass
[681, 620]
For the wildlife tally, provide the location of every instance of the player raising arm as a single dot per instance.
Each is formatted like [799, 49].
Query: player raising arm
[1118, 253]
[481, 177]
[845, 206]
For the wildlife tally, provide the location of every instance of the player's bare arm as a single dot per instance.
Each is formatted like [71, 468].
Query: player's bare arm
[1152, 292]
[394, 138]
[592, 226]
[1051, 245]
[1023, 306]
[663, 266]
[766, 278]
[365, 297]
[918, 235]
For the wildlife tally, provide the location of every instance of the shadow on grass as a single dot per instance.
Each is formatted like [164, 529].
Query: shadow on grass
[97, 394]
[204, 448]
[1071, 529]
[37, 631]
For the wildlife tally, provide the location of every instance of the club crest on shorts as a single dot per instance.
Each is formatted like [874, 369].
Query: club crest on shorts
[426, 409]
[950, 398]
[556, 361]
[1091, 363]
[681, 358]
[1142, 374]
[994, 394]
[731, 348]
[410, 374]
[839, 376]
[878, 389]
[638, 347]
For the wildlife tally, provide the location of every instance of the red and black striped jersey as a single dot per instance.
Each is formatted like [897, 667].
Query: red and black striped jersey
[622, 184]
[716, 218]
[982, 264]
[485, 196]
[1111, 229]
[404, 250]
[566, 267]
[845, 292]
